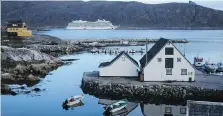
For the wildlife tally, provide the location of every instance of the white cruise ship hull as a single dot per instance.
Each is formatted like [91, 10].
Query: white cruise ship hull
[92, 28]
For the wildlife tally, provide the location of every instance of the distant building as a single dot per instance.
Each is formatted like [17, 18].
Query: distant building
[192, 3]
[18, 28]
[164, 62]
[122, 65]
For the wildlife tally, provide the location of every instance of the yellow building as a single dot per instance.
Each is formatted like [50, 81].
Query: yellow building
[18, 28]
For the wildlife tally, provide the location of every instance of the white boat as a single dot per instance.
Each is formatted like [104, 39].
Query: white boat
[210, 66]
[73, 100]
[99, 24]
[94, 50]
[220, 67]
[116, 106]
[132, 51]
[198, 61]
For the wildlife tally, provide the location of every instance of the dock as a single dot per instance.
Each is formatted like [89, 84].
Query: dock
[127, 42]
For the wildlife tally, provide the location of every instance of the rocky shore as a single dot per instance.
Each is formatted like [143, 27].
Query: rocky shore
[24, 66]
[148, 91]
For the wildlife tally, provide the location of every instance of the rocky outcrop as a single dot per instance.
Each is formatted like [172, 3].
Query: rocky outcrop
[6, 90]
[148, 93]
[62, 48]
[25, 66]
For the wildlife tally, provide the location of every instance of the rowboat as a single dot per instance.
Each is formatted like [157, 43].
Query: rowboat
[114, 107]
[73, 100]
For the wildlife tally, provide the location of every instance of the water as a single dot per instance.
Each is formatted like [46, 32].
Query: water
[65, 81]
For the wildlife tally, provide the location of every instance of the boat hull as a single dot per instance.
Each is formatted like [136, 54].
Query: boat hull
[92, 28]
[210, 69]
[220, 69]
[117, 109]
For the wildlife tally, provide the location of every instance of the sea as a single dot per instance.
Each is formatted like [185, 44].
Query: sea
[66, 80]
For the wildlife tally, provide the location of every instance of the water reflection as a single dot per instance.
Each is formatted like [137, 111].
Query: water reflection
[163, 110]
[73, 106]
[123, 112]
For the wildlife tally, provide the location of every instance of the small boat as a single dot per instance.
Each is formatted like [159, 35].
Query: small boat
[198, 61]
[132, 51]
[220, 67]
[119, 105]
[210, 66]
[94, 50]
[73, 100]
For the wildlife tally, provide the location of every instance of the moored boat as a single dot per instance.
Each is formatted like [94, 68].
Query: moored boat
[210, 66]
[198, 61]
[73, 100]
[119, 105]
[220, 67]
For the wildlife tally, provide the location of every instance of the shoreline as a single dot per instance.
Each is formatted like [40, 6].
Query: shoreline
[151, 91]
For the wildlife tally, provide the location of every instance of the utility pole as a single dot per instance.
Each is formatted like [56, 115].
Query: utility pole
[146, 49]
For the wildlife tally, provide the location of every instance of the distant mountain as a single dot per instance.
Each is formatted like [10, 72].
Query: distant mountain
[125, 14]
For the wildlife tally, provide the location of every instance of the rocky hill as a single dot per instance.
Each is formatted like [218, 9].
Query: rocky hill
[126, 14]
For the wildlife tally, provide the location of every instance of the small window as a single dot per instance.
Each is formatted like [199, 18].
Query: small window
[182, 110]
[168, 110]
[183, 71]
[159, 59]
[178, 59]
[168, 71]
[123, 58]
[168, 51]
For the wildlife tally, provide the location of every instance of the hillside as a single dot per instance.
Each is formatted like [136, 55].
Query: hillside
[126, 14]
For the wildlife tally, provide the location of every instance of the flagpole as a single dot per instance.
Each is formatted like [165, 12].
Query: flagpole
[146, 49]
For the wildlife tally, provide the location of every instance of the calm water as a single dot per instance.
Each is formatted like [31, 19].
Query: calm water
[66, 80]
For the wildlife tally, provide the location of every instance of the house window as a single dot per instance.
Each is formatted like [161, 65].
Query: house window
[159, 59]
[123, 58]
[168, 62]
[183, 71]
[182, 110]
[168, 110]
[168, 71]
[168, 51]
[178, 59]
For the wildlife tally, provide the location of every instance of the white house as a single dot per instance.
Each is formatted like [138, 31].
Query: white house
[121, 66]
[165, 62]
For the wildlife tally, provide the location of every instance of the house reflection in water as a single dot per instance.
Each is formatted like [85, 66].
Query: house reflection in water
[163, 110]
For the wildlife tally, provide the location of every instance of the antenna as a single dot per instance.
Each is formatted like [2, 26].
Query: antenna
[184, 48]
[146, 50]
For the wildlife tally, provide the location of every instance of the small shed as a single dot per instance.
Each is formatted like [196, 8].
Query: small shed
[122, 65]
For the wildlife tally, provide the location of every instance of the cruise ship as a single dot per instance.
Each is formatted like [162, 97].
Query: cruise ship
[99, 24]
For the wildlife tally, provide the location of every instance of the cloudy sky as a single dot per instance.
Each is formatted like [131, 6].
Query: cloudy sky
[216, 4]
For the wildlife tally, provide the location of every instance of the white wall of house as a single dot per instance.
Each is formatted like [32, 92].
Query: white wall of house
[123, 66]
[156, 71]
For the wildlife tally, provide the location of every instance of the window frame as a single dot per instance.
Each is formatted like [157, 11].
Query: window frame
[182, 72]
[166, 65]
[170, 110]
[183, 109]
[169, 70]
[166, 51]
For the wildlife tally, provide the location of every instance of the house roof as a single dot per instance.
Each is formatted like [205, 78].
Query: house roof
[104, 64]
[153, 51]
[18, 22]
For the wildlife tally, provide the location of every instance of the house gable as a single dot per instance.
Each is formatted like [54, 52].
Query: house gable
[156, 69]
[105, 64]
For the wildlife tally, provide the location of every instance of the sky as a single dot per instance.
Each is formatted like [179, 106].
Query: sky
[215, 4]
